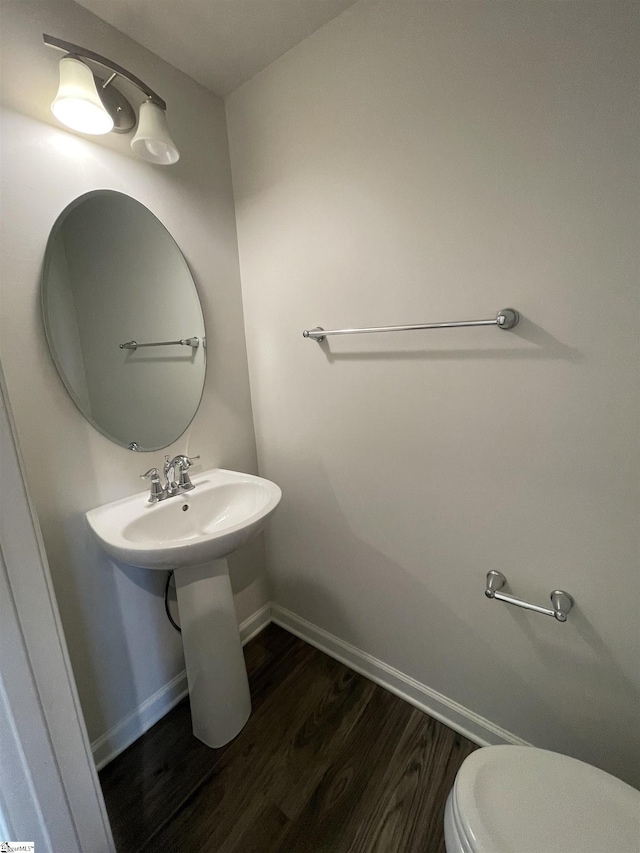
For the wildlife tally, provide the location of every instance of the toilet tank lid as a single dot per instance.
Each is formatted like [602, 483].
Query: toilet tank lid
[519, 799]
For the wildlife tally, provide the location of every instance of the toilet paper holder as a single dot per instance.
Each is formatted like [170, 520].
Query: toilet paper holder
[561, 602]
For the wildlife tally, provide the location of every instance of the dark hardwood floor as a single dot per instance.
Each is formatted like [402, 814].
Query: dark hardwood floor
[328, 761]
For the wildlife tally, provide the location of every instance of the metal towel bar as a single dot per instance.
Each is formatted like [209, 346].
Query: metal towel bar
[185, 342]
[506, 319]
[561, 601]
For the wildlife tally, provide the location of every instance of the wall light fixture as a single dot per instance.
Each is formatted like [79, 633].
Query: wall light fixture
[90, 104]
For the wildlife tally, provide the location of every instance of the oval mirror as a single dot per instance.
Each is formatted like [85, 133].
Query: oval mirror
[123, 320]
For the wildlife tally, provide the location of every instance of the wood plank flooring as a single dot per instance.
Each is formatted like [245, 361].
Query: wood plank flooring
[328, 763]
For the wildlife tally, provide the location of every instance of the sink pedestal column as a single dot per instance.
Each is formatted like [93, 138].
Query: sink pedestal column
[216, 672]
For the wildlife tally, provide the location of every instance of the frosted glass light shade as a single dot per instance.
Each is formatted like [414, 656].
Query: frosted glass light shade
[78, 104]
[152, 140]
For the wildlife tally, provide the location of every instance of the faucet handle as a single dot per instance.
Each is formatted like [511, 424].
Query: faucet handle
[187, 461]
[156, 489]
[183, 463]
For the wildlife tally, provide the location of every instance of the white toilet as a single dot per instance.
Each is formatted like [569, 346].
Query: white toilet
[518, 799]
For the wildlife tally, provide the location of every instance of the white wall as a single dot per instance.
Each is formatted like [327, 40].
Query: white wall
[431, 161]
[121, 644]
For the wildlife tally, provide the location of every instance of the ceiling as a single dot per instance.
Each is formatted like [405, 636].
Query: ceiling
[220, 43]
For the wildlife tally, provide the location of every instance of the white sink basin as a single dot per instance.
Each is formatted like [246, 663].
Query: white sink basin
[193, 533]
[224, 511]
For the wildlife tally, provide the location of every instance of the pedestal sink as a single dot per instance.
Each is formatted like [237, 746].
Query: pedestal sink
[192, 533]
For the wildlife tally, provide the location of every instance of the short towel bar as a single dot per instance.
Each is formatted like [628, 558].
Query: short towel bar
[185, 342]
[561, 601]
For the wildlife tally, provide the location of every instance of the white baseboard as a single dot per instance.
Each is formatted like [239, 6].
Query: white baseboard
[123, 734]
[460, 719]
[252, 626]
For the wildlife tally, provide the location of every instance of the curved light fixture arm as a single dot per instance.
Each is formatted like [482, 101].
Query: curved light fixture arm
[117, 70]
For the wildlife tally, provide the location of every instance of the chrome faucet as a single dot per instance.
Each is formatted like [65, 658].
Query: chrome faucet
[171, 487]
[177, 466]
